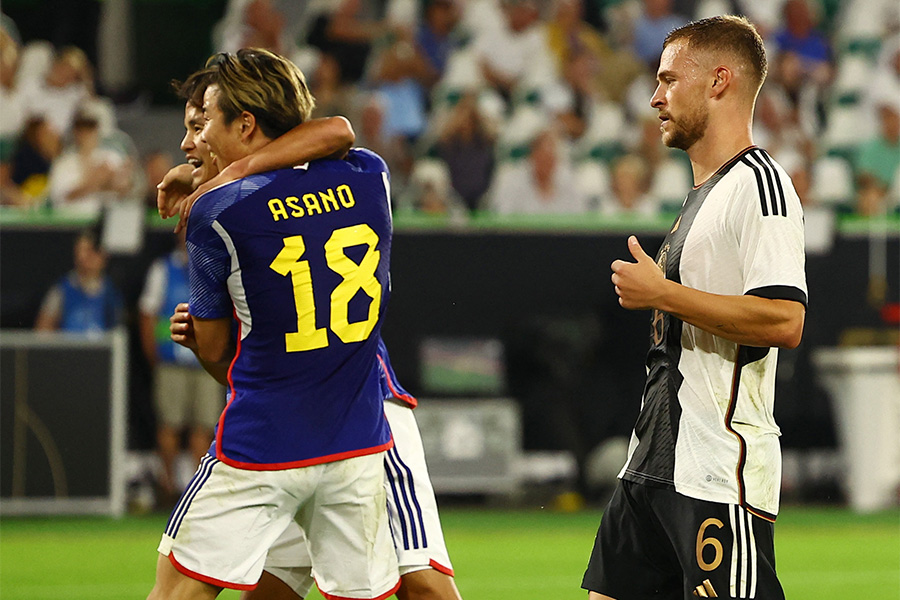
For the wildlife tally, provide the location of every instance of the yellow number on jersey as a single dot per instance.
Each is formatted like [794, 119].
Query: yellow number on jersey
[355, 277]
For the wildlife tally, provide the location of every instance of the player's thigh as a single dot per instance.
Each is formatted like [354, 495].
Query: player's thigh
[411, 504]
[346, 525]
[208, 399]
[271, 587]
[288, 561]
[172, 394]
[427, 584]
[227, 519]
[632, 558]
[172, 585]
[725, 550]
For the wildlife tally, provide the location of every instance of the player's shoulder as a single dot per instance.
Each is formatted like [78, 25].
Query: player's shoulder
[358, 160]
[756, 174]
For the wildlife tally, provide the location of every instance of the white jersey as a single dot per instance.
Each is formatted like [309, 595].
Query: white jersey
[706, 427]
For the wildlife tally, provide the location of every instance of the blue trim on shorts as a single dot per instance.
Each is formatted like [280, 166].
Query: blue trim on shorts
[400, 476]
[190, 492]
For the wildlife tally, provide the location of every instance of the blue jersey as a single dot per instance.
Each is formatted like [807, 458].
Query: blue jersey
[83, 312]
[300, 257]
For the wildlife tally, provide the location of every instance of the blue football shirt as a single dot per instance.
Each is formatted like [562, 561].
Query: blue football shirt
[300, 257]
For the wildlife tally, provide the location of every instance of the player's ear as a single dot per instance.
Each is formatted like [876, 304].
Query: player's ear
[722, 77]
[248, 123]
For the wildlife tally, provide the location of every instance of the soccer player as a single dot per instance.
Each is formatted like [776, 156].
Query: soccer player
[693, 512]
[301, 258]
[425, 568]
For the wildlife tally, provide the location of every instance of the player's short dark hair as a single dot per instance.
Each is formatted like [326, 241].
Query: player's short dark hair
[729, 34]
[269, 86]
[192, 89]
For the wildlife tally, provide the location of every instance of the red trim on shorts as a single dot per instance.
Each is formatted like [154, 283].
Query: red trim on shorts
[381, 597]
[210, 580]
[441, 568]
[408, 398]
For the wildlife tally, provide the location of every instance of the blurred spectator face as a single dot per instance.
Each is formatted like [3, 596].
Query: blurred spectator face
[889, 116]
[328, 73]
[520, 14]
[86, 131]
[196, 151]
[656, 9]
[798, 18]
[790, 70]
[629, 180]
[90, 260]
[442, 16]
[679, 98]
[70, 67]
[569, 12]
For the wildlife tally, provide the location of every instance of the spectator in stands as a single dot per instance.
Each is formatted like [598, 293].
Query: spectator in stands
[333, 96]
[517, 49]
[35, 152]
[878, 162]
[88, 175]
[434, 37]
[541, 184]
[429, 191]
[799, 35]
[651, 27]
[57, 95]
[84, 300]
[12, 121]
[372, 134]
[466, 145]
[790, 107]
[156, 164]
[571, 40]
[185, 397]
[347, 30]
[630, 184]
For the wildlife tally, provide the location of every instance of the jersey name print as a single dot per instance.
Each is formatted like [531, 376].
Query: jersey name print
[706, 427]
[301, 258]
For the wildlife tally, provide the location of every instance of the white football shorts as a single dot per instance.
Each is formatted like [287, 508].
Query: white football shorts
[228, 519]
[414, 521]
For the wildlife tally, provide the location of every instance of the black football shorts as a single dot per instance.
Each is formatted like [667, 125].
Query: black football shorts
[654, 543]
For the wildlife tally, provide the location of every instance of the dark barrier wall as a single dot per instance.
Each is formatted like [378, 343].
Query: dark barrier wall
[574, 358]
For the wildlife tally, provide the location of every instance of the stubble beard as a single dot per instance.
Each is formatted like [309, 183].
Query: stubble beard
[687, 131]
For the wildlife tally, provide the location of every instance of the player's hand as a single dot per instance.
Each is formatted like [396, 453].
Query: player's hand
[181, 327]
[640, 284]
[230, 173]
[173, 189]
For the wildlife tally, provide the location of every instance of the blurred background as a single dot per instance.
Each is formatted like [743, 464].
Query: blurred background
[523, 151]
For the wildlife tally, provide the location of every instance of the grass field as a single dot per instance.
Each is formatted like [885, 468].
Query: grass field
[823, 554]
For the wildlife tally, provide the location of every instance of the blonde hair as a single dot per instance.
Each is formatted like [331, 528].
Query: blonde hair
[726, 34]
[270, 87]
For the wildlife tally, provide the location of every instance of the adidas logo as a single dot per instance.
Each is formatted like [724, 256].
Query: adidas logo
[705, 590]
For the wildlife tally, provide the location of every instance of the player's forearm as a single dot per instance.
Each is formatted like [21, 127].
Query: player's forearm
[747, 320]
[218, 370]
[330, 137]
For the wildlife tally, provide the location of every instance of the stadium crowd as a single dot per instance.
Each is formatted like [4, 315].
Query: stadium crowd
[495, 106]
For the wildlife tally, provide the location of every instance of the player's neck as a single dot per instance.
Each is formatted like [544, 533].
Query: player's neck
[722, 142]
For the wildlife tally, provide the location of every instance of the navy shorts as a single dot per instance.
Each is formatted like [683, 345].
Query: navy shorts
[654, 543]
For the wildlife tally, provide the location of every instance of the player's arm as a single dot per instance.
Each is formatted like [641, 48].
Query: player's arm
[329, 137]
[181, 330]
[215, 349]
[747, 320]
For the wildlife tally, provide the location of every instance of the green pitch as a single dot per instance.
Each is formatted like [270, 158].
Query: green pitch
[822, 554]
